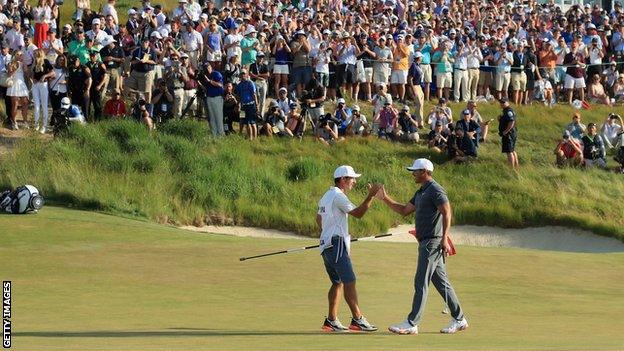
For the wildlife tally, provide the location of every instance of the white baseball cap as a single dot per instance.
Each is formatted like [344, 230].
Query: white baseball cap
[340, 101]
[345, 171]
[421, 163]
[95, 21]
[65, 102]
[418, 54]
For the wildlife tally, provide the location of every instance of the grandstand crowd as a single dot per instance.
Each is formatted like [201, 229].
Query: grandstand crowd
[268, 67]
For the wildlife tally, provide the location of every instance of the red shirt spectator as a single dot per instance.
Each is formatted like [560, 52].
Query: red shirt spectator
[115, 107]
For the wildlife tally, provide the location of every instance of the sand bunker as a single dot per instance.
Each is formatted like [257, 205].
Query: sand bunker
[541, 238]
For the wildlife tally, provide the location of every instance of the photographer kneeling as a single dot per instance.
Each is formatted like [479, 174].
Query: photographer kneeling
[274, 121]
[409, 126]
[327, 130]
[67, 114]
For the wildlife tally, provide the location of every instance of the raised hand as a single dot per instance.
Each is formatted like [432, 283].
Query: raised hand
[381, 194]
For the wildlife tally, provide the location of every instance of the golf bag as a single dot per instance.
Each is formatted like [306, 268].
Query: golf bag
[23, 199]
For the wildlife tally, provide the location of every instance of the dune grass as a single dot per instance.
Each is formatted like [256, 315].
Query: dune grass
[88, 281]
[182, 175]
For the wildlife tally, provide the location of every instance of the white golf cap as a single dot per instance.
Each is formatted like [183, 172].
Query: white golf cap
[95, 21]
[418, 54]
[132, 12]
[355, 108]
[109, 39]
[250, 30]
[340, 101]
[65, 102]
[345, 171]
[421, 163]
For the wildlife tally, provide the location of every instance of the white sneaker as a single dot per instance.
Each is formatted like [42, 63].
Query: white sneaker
[333, 326]
[36, 127]
[42, 130]
[455, 326]
[404, 328]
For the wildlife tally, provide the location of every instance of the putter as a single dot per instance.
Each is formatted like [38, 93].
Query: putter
[307, 248]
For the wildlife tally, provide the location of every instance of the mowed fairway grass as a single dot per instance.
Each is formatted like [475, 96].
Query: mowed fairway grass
[88, 281]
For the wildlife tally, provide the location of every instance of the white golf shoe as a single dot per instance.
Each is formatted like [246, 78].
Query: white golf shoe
[404, 328]
[455, 326]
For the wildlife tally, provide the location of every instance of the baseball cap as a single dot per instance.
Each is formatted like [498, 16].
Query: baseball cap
[273, 103]
[355, 108]
[466, 112]
[341, 101]
[405, 108]
[421, 163]
[592, 124]
[65, 102]
[418, 54]
[345, 171]
[95, 21]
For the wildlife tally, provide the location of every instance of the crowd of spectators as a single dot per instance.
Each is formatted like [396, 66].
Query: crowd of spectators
[269, 66]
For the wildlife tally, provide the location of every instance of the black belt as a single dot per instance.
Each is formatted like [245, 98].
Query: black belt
[459, 69]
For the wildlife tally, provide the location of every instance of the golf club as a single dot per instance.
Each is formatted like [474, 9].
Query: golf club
[307, 248]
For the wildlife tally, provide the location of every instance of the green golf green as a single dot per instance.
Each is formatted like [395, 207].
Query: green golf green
[88, 281]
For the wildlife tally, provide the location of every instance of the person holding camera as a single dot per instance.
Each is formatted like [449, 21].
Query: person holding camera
[440, 113]
[175, 76]
[568, 151]
[313, 98]
[409, 126]
[438, 138]
[358, 124]
[388, 122]
[275, 120]
[594, 153]
[327, 130]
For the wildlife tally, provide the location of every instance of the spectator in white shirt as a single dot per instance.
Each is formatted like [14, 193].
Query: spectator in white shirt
[610, 130]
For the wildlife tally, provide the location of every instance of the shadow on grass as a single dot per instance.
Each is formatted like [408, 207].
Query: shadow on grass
[179, 332]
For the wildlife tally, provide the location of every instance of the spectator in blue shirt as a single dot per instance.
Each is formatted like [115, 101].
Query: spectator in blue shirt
[246, 91]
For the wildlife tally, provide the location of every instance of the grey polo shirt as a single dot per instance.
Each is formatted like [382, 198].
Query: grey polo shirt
[428, 218]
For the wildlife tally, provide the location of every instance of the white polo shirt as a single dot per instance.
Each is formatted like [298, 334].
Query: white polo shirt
[334, 208]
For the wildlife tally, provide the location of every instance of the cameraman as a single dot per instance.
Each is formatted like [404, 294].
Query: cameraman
[327, 130]
[569, 151]
[175, 76]
[274, 120]
[67, 114]
[314, 99]
[438, 138]
[409, 126]
[593, 148]
[358, 124]
[162, 100]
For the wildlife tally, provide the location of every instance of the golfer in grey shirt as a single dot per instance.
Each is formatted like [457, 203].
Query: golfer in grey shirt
[433, 222]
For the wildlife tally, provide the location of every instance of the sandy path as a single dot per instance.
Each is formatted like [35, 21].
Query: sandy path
[541, 238]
